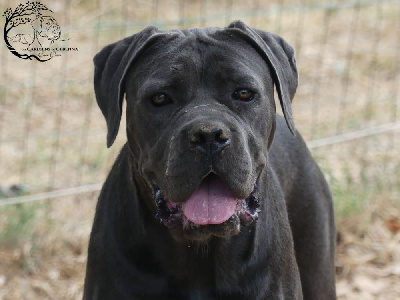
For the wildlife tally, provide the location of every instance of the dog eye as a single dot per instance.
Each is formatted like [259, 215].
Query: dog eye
[243, 95]
[160, 100]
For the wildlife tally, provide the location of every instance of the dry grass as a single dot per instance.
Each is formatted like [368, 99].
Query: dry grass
[368, 260]
[52, 135]
[48, 261]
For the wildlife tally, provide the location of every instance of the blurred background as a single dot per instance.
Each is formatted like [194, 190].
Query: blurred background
[53, 154]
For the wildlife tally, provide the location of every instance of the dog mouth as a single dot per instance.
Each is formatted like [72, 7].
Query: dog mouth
[211, 210]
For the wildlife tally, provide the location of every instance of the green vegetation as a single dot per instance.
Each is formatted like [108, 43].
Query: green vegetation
[16, 222]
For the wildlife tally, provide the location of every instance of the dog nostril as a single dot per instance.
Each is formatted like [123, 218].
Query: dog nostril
[221, 137]
[197, 138]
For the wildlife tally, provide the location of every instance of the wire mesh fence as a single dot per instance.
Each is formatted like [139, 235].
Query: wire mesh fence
[52, 134]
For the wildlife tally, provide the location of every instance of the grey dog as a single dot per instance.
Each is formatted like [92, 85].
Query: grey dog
[213, 196]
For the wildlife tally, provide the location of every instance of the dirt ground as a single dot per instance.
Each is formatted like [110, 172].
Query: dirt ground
[49, 261]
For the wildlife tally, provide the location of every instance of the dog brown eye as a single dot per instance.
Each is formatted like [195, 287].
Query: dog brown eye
[160, 100]
[243, 95]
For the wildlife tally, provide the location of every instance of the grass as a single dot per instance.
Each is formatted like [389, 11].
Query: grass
[349, 200]
[16, 222]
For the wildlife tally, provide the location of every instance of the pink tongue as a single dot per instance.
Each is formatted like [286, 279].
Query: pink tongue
[211, 203]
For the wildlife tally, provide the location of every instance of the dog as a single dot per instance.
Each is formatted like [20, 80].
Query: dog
[214, 195]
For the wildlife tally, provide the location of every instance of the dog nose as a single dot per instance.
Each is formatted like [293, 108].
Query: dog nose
[210, 139]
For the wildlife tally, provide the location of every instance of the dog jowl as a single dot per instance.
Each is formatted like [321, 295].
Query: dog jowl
[213, 196]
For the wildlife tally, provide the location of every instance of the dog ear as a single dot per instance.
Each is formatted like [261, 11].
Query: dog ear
[111, 66]
[281, 59]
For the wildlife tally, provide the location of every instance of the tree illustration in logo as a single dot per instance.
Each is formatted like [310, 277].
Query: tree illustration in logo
[26, 27]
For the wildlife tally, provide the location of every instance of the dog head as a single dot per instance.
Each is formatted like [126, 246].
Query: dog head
[200, 118]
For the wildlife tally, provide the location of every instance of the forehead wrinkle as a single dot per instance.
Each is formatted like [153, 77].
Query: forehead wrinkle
[167, 49]
[183, 58]
[238, 71]
[177, 64]
[234, 64]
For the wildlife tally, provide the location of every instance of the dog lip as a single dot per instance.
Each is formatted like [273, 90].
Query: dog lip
[166, 209]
